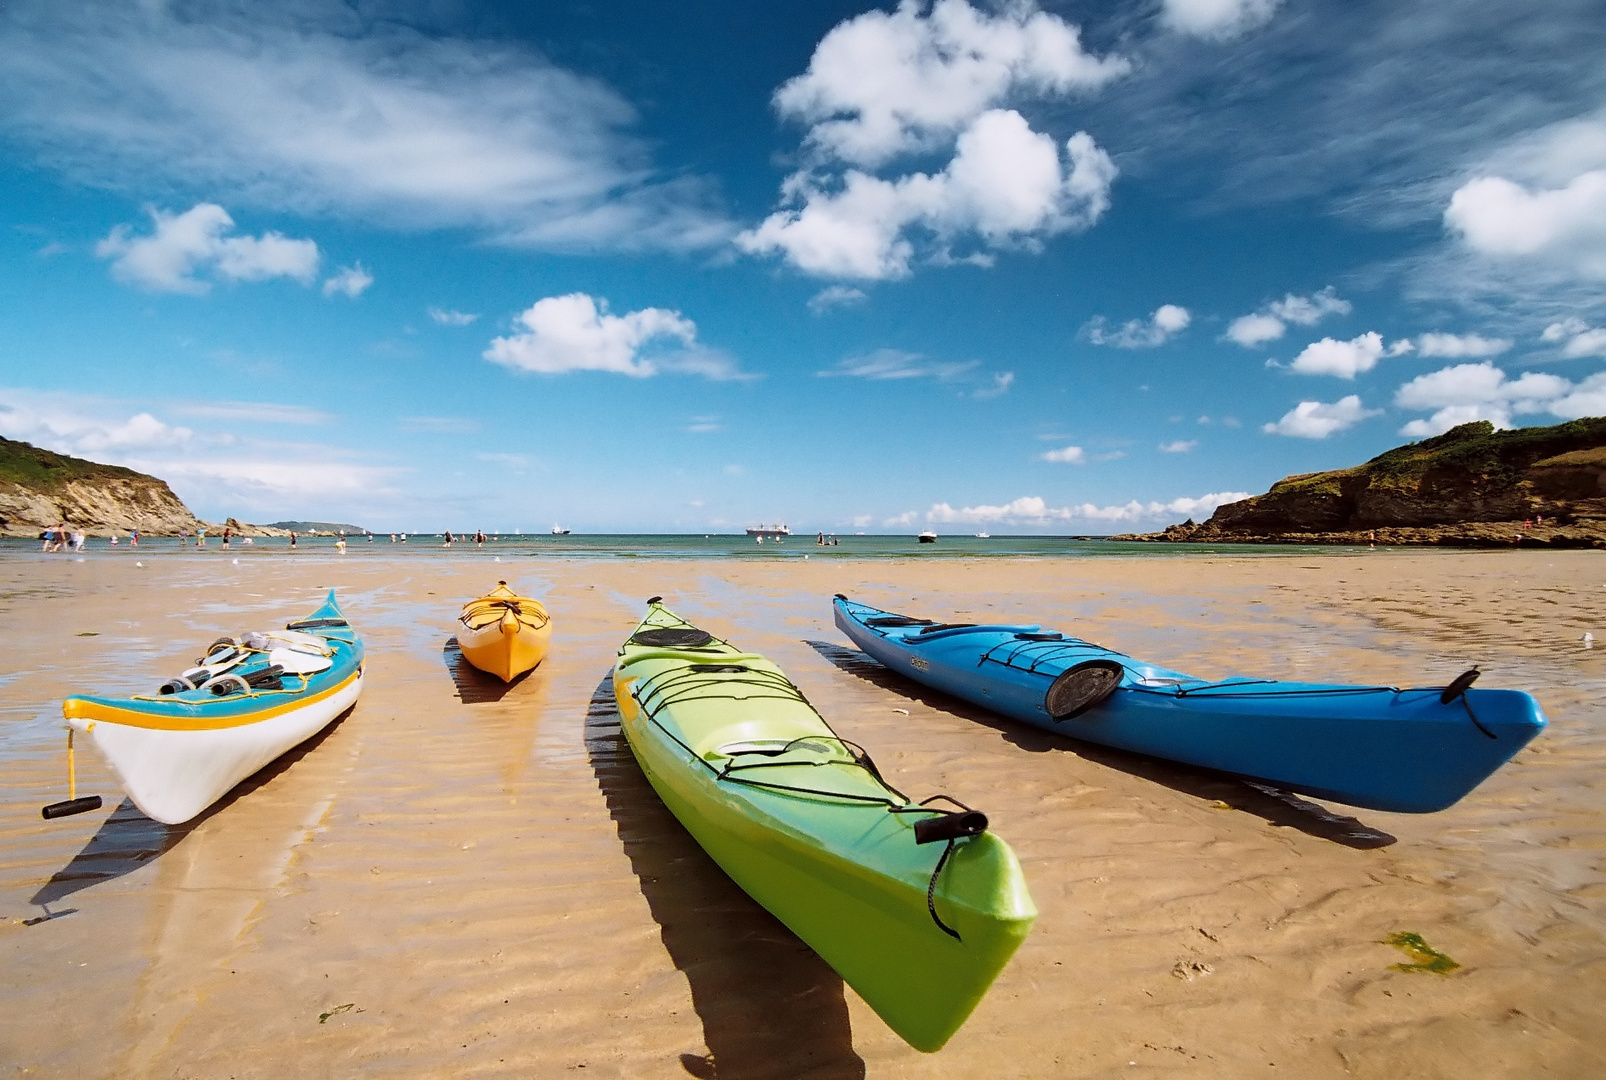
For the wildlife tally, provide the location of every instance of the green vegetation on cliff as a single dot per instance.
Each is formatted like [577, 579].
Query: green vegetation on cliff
[1471, 473]
[28, 466]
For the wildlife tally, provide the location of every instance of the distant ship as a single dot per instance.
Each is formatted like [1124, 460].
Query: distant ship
[559, 530]
[928, 537]
[768, 530]
[984, 536]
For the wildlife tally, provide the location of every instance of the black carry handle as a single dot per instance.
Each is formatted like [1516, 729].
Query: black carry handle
[1459, 685]
[70, 807]
[950, 827]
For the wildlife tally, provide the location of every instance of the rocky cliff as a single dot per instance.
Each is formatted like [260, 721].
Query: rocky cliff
[1471, 485]
[39, 488]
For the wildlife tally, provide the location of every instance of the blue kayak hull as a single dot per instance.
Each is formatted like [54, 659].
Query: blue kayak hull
[1377, 747]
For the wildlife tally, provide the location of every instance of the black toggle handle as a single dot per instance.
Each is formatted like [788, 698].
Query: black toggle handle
[1459, 685]
[651, 600]
[950, 827]
[70, 807]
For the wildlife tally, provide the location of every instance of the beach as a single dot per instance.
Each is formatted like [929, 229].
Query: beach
[461, 878]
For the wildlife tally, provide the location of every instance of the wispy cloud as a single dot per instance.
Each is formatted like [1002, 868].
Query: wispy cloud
[215, 470]
[703, 424]
[440, 425]
[327, 109]
[1167, 321]
[898, 364]
[260, 412]
[1178, 446]
[1032, 510]
[449, 317]
[834, 296]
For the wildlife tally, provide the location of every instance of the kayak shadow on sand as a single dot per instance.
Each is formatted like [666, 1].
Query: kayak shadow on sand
[1276, 807]
[475, 687]
[771, 1008]
[128, 840]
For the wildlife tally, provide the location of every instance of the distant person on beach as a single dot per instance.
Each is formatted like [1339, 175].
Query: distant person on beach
[133, 538]
[114, 538]
[340, 544]
[227, 532]
[404, 538]
[200, 537]
[183, 537]
[448, 538]
[292, 538]
[50, 539]
[78, 539]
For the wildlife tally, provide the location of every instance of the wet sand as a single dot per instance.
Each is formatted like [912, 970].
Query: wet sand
[463, 879]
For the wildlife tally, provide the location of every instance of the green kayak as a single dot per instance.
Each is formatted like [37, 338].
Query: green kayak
[916, 906]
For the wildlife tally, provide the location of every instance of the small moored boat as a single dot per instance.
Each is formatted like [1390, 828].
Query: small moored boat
[179, 749]
[504, 634]
[917, 907]
[1410, 751]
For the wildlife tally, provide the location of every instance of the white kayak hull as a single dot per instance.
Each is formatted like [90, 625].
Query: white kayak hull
[173, 775]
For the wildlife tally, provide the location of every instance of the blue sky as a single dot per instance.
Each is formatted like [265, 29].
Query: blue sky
[1068, 268]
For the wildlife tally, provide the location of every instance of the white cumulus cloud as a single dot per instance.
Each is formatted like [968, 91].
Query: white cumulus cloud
[1271, 321]
[1466, 392]
[182, 247]
[882, 85]
[1346, 359]
[1563, 225]
[349, 281]
[1577, 338]
[1157, 329]
[1216, 19]
[1318, 420]
[577, 333]
[1070, 455]
[1178, 446]
[1033, 510]
[1006, 185]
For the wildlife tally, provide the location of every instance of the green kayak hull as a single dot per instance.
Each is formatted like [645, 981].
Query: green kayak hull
[806, 826]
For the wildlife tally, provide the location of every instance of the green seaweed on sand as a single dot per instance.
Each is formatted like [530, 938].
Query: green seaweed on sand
[1424, 956]
[336, 1011]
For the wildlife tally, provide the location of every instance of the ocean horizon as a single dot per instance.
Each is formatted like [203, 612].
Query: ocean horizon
[676, 546]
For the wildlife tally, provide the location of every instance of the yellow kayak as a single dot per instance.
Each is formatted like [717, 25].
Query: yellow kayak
[504, 634]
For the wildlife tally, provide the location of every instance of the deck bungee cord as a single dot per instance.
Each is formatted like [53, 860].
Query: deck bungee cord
[703, 681]
[1031, 651]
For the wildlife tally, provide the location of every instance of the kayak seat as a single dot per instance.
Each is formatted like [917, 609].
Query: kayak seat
[932, 628]
[673, 637]
[1049, 635]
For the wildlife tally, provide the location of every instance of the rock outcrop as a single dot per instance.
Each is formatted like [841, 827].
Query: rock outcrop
[40, 489]
[1471, 486]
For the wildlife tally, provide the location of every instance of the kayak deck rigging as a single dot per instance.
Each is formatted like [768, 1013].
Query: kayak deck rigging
[720, 681]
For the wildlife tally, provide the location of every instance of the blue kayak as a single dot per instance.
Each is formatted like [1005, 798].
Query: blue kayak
[1409, 751]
